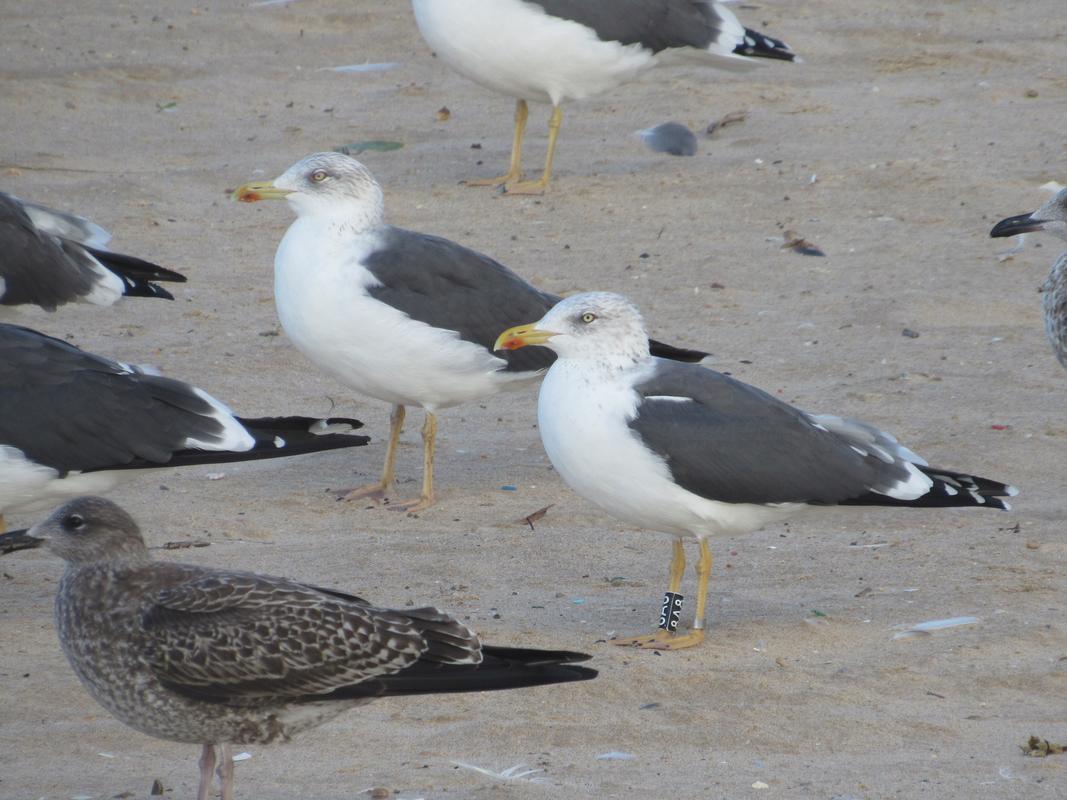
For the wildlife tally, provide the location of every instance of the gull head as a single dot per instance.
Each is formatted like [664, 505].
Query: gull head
[325, 185]
[91, 530]
[1051, 218]
[594, 325]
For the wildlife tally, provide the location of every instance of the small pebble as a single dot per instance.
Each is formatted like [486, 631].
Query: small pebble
[670, 137]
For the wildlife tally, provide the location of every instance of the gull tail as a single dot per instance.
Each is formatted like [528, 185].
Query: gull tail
[672, 353]
[760, 45]
[500, 668]
[137, 274]
[275, 437]
[949, 489]
[733, 46]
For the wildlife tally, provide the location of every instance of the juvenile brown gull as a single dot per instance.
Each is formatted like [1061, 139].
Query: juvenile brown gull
[556, 50]
[218, 657]
[691, 452]
[1051, 218]
[402, 316]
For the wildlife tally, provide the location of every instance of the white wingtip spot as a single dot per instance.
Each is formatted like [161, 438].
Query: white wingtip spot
[234, 437]
[917, 484]
[279, 442]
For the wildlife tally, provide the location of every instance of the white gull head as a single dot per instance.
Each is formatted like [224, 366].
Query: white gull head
[333, 185]
[596, 325]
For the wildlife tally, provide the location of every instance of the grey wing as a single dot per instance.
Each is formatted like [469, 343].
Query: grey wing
[75, 411]
[654, 24]
[725, 440]
[66, 226]
[34, 267]
[230, 635]
[452, 287]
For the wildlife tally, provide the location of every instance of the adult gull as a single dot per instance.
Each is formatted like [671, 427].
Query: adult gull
[556, 50]
[49, 258]
[691, 452]
[398, 315]
[74, 422]
[1051, 218]
[219, 657]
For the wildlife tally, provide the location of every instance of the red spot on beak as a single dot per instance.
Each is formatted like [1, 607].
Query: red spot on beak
[511, 344]
[247, 196]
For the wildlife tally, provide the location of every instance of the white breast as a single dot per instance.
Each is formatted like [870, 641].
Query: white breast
[320, 289]
[510, 46]
[583, 422]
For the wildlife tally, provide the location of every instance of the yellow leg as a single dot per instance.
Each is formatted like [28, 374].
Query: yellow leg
[658, 639]
[3, 524]
[429, 445]
[539, 186]
[377, 490]
[514, 173]
[703, 578]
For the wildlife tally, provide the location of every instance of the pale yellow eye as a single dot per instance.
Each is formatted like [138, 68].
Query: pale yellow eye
[588, 317]
[319, 175]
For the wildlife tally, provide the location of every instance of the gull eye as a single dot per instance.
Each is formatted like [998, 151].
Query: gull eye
[319, 175]
[588, 317]
[74, 522]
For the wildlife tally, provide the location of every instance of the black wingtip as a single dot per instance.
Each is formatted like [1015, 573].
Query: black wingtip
[672, 353]
[760, 45]
[138, 274]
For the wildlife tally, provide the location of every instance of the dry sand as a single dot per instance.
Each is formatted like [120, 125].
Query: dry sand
[923, 122]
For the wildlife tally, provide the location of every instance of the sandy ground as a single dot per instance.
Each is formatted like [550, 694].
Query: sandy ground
[911, 128]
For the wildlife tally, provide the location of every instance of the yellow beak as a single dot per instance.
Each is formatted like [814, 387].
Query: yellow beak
[259, 190]
[521, 336]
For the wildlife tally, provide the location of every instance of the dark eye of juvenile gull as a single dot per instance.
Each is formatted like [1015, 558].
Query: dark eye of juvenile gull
[74, 522]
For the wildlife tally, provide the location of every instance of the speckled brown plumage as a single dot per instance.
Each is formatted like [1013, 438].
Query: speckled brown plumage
[210, 656]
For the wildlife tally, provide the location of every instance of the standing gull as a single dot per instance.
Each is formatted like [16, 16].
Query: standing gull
[217, 657]
[74, 422]
[556, 50]
[692, 452]
[48, 258]
[1051, 218]
[402, 316]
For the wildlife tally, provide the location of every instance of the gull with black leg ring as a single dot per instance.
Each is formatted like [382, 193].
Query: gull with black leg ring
[693, 453]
